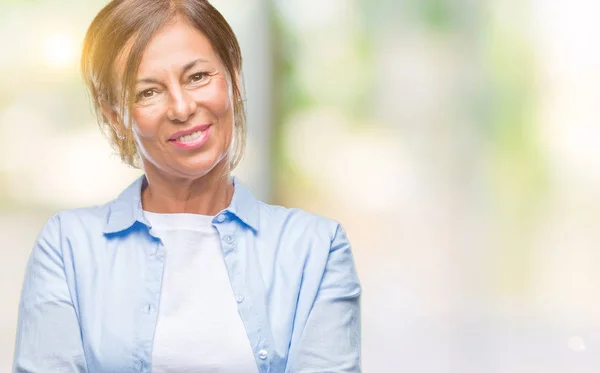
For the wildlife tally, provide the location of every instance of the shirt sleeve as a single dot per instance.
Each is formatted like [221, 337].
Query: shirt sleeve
[48, 333]
[330, 341]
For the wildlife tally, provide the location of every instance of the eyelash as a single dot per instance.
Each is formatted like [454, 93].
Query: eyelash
[140, 95]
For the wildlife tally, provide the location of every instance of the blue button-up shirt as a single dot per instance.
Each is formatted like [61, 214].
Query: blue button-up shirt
[93, 281]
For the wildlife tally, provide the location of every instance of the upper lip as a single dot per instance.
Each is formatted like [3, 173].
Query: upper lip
[178, 134]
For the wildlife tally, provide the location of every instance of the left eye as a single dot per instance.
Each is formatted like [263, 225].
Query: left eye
[197, 77]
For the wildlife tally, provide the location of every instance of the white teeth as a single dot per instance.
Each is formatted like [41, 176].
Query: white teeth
[190, 137]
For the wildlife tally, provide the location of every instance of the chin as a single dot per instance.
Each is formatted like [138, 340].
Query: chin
[201, 167]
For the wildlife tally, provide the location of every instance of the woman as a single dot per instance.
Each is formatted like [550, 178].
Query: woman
[185, 271]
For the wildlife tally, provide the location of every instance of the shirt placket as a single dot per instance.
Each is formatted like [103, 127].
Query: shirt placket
[155, 260]
[232, 241]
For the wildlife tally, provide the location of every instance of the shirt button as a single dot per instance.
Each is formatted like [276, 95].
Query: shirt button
[221, 218]
[229, 240]
[262, 354]
[239, 298]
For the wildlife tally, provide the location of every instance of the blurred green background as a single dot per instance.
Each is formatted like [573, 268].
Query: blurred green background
[456, 141]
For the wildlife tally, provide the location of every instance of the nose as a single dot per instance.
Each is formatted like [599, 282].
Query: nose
[182, 106]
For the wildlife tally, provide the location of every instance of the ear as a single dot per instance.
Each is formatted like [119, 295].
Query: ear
[110, 113]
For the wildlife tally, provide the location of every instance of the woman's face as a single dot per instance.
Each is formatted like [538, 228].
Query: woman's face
[183, 111]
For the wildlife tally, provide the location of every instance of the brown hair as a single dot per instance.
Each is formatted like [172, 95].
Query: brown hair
[133, 23]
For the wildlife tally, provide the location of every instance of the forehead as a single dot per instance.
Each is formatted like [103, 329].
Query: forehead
[172, 46]
[176, 44]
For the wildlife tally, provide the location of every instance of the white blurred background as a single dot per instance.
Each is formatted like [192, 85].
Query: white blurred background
[457, 141]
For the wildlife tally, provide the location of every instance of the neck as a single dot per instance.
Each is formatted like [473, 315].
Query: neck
[207, 195]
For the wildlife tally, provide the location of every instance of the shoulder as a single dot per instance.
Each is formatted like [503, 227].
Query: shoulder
[297, 222]
[64, 228]
[316, 246]
[296, 217]
[65, 223]
[92, 217]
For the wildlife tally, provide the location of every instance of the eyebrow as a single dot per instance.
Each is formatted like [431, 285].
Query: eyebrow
[185, 68]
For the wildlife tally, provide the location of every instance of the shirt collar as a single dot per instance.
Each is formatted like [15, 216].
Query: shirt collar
[126, 209]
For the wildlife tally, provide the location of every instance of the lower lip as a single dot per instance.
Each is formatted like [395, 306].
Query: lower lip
[194, 144]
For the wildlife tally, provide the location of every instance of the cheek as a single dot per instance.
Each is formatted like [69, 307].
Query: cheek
[146, 122]
[217, 99]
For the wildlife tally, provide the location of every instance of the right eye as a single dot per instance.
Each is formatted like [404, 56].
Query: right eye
[148, 93]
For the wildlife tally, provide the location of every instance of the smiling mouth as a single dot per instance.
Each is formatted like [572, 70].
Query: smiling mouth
[192, 140]
[189, 138]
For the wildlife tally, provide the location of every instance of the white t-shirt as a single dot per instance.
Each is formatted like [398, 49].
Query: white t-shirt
[199, 328]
